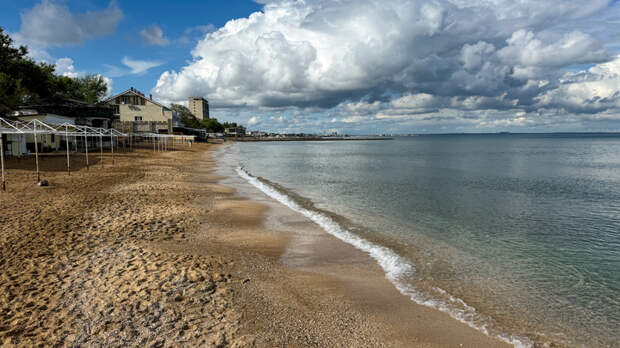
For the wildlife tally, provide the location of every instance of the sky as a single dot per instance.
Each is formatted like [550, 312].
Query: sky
[350, 66]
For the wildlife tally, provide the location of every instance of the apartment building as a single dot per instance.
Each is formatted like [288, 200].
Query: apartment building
[199, 107]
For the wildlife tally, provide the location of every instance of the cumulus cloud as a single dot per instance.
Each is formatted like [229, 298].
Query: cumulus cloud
[430, 60]
[64, 67]
[51, 23]
[525, 49]
[153, 35]
[591, 91]
[110, 84]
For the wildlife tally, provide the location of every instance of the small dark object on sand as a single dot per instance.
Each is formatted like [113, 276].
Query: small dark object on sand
[43, 183]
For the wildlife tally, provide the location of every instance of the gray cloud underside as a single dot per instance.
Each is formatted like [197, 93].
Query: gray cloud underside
[50, 23]
[422, 61]
[154, 35]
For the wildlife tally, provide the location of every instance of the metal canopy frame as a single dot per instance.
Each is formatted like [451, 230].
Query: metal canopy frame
[36, 127]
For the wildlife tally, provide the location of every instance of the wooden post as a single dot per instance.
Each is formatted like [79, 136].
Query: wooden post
[101, 147]
[67, 144]
[112, 147]
[36, 152]
[86, 149]
[2, 162]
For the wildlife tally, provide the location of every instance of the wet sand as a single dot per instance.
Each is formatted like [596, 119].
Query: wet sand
[160, 250]
[311, 289]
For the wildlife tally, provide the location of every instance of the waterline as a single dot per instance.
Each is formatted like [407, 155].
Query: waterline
[398, 270]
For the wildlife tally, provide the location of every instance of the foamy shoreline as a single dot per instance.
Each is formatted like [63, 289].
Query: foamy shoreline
[396, 268]
[301, 248]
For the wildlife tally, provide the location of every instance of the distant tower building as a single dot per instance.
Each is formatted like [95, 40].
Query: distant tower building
[199, 107]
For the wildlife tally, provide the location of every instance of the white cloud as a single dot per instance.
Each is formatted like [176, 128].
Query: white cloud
[153, 35]
[525, 49]
[110, 84]
[417, 60]
[352, 119]
[362, 108]
[254, 121]
[594, 90]
[64, 67]
[139, 67]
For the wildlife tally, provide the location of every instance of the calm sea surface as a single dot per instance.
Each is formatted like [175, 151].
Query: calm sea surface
[518, 234]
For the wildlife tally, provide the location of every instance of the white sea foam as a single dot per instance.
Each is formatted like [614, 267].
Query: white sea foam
[397, 269]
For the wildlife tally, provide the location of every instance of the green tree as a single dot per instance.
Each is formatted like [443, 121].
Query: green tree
[186, 116]
[89, 88]
[21, 79]
[92, 88]
[189, 120]
[24, 81]
[212, 125]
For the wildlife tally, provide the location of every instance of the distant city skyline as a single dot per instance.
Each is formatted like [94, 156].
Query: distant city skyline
[357, 67]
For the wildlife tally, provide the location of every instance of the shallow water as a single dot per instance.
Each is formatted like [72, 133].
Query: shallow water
[518, 234]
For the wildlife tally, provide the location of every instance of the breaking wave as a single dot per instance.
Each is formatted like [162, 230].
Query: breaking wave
[398, 270]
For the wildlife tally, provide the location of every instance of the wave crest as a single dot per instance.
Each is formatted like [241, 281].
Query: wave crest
[397, 269]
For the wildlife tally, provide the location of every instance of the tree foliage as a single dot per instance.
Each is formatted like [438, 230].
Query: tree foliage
[212, 125]
[23, 81]
[229, 125]
[89, 88]
[186, 116]
[189, 120]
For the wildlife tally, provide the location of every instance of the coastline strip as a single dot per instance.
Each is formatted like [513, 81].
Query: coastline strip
[396, 268]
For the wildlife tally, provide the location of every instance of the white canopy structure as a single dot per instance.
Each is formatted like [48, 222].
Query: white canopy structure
[36, 127]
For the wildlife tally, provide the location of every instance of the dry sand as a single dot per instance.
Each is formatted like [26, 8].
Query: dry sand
[153, 251]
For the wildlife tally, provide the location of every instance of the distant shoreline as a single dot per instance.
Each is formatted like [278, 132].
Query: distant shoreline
[256, 139]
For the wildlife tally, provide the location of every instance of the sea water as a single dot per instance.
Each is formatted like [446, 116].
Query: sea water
[516, 235]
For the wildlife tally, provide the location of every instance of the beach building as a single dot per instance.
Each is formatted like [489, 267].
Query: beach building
[199, 107]
[54, 111]
[135, 113]
[258, 134]
[199, 133]
[238, 131]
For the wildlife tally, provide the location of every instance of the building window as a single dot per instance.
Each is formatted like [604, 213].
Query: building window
[138, 118]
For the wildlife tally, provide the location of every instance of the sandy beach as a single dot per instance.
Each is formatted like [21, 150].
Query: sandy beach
[159, 250]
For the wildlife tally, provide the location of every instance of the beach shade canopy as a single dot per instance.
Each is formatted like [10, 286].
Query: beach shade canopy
[73, 130]
[38, 127]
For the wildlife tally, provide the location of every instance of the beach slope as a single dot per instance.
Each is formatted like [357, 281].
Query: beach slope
[155, 251]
